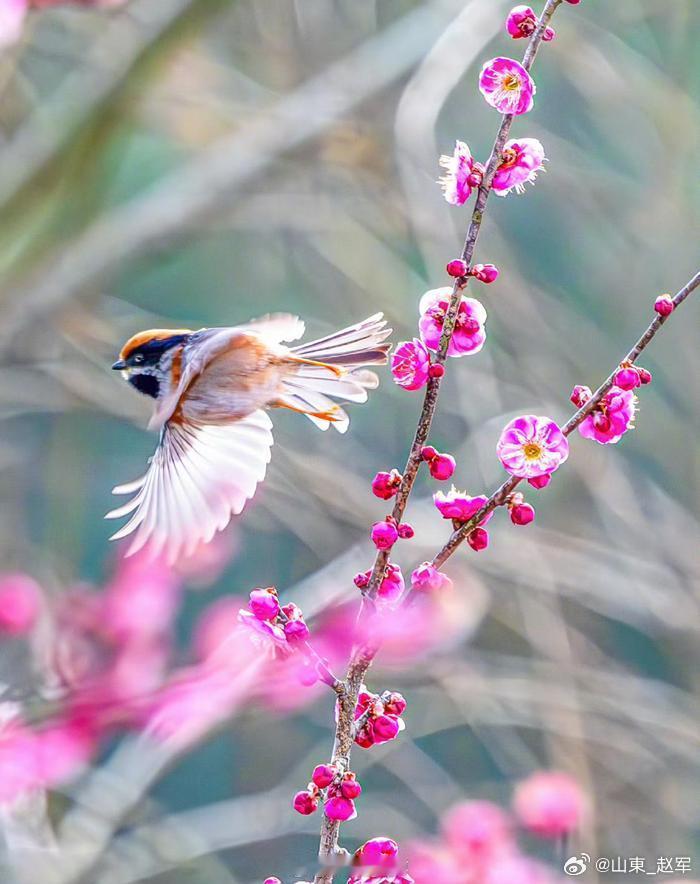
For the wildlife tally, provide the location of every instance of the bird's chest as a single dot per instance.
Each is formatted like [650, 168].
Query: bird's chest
[246, 377]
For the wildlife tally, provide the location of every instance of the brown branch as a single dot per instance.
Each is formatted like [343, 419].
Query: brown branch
[329, 852]
[500, 496]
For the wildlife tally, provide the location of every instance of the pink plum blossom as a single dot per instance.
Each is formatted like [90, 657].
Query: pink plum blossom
[507, 86]
[517, 870]
[469, 334]
[12, 15]
[550, 804]
[392, 586]
[522, 160]
[339, 808]
[384, 534]
[522, 21]
[378, 852]
[530, 446]
[385, 485]
[427, 578]
[459, 506]
[486, 273]
[627, 378]
[460, 174]
[305, 803]
[410, 364]
[611, 418]
[264, 603]
[477, 831]
[20, 603]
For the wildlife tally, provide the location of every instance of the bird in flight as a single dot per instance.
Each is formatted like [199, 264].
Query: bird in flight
[211, 390]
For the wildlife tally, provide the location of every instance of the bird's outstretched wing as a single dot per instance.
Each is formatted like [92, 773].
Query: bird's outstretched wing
[198, 477]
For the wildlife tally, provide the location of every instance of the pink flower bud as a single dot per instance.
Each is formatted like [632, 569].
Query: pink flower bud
[305, 803]
[392, 585]
[427, 452]
[324, 774]
[644, 375]
[364, 737]
[549, 34]
[377, 852]
[405, 530]
[361, 580]
[486, 273]
[385, 728]
[521, 22]
[296, 630]
[457, 268]
[540, 481]
[349, 787]
[264, 603]
[436, 370]
[476, 176]
[272, 881]
[664, 305]
[627, 378]
[573, 2]
[364, 700]
[385, 485]
[580, 395]
[522, 514]
[292, 611]
[384, 534]
[342, 809]
[442, 466]
[20, 603]
[549, 804]
[478, 539]
[427, 578]
[396, 704]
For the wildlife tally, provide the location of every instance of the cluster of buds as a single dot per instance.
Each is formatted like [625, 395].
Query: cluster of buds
[384, 534]
[522, 21]
[441, 466]
[391, 586]
[378, 718]
[521, 513]
[459, 269]
[385, 485]
[283, 624]
[337, 789]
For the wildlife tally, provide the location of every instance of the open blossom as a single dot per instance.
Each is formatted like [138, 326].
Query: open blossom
[461, 174]
[459, 506]
[611, 418]
[410, 364]
[522, 21]
[549, 803]
[507, 86]
[469, 334]
[530, 446]
[522, 160]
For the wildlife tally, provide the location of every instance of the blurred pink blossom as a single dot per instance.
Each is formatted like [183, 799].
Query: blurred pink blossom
[20, 603]
[549, 803]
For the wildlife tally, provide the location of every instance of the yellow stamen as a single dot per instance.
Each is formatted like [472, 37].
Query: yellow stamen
[532, 451]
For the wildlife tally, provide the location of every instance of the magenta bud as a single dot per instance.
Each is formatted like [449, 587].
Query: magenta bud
[406, 532]
[384, 534]
[305, 803]
[580, 395]
[377, 852]
[540, 481]
[486, 273]
[324, 774]
[264, 604]
[427, 452]
[296, 630]
[549, 34]
[385, 728]
[396, 704]
[476, 176]
[385, 485]
[292, 611]
[442, 467]
[478, 539]
[436, 370]
[340, 808]
[364, 737]
[644, 375]
[522, 514]
[272, 881]
[349, 787]
[664, 305]
[361, 580]
[627, 378]
[457, 268]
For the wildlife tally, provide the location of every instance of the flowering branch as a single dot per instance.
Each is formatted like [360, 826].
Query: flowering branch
[501, 495]
[330, 853]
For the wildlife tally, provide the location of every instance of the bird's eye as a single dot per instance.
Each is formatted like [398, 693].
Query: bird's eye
[138, 359]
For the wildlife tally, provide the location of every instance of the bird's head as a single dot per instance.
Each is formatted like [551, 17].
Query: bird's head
[146, 360]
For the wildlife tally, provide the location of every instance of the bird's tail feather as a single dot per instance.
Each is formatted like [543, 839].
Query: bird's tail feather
[317, 378]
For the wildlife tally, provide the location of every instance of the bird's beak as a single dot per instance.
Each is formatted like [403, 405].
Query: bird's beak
[119, 365]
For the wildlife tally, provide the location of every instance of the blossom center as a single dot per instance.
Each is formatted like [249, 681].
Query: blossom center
[510, 82]
[509, 158]
[532, 451]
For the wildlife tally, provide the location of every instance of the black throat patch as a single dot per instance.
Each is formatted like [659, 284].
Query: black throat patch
[147, 384]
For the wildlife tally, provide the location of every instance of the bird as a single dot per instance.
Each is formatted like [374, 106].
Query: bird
[212, 390]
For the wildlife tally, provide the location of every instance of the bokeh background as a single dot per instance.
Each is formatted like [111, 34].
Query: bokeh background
[201, 162]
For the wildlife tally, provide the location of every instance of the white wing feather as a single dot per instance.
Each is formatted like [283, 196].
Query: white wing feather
[198, 477]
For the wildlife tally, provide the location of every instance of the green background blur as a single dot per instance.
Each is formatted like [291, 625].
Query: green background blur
[200, 163]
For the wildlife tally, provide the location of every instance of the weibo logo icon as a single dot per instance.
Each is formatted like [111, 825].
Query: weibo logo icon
[576, 865]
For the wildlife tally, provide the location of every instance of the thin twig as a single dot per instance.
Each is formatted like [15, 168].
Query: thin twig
[329, 852]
